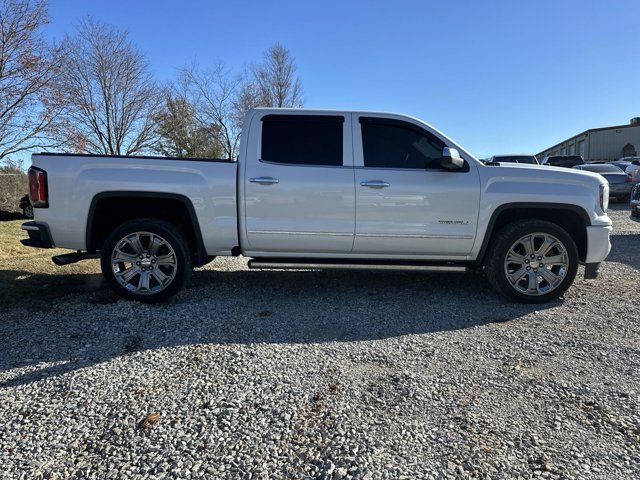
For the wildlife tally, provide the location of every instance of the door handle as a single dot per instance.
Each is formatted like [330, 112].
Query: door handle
[374, 184]
[264, 180]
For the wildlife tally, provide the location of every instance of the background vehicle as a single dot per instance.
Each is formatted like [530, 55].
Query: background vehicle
[624, 162]
[566, 161]
[620, 183]
[323, 189]
[632, 168]
[25, 206]
[514, 158]
[635, 176]
[634, 202]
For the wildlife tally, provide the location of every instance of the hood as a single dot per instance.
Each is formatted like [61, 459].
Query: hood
[533, 184]
[527, 172]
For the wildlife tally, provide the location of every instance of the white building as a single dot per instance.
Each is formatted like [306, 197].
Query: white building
[605, 143]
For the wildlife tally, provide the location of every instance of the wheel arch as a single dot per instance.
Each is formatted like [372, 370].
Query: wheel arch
[106, 213]
[572, 218]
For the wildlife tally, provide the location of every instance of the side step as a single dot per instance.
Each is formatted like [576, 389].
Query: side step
[354, 264]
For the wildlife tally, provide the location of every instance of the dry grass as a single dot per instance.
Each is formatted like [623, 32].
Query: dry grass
[12, 187]
[29, 278]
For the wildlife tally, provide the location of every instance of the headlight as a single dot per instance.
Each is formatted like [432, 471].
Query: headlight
[604, 196]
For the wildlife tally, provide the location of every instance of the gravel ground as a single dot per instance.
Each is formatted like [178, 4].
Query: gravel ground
[265, 374]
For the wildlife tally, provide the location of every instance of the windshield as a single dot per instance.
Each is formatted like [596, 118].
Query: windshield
[565, 161]
[600, 168]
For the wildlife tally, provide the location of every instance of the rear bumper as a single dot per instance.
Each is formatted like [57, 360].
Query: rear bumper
[39, 236]
[620, 189]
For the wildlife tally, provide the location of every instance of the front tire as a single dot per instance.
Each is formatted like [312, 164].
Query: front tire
[532, 261]
[147, 260]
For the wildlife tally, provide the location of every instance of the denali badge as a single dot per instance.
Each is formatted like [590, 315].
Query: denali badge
[454, 222]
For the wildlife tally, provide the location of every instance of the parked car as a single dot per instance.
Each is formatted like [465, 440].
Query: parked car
[634, 202]
[632, 168]
[567, 161]
[620, 184]
[25, 206]
[316, 189]
[514, 158]
[625, 162]
[635, 176]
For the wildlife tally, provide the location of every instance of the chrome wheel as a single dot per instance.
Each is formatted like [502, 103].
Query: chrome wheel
[144, 263]
[536, 264]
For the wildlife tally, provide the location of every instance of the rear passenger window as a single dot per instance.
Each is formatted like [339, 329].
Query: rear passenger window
[389, 143]
[302, 139]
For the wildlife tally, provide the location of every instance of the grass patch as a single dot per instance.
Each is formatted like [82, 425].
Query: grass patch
[30, 279]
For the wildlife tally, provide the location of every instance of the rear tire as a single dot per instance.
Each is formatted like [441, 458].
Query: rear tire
[147, 260]
[532, 261]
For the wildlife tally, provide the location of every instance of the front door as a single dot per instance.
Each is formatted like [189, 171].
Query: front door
[299, 185]
[405, 202]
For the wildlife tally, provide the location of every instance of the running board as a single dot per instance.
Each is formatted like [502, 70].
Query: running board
[350, 264]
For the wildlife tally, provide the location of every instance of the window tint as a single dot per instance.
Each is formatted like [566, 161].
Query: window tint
[397, 144]
[302, 139]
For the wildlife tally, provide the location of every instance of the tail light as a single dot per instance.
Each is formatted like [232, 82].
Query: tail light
[629, 178]
[38, 188]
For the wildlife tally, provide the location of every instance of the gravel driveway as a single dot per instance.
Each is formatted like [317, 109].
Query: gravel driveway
[267, 374]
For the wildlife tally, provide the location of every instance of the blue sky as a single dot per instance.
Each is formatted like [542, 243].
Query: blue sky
[497, 76]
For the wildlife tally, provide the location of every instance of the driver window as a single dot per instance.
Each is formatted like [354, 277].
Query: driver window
[391, 143]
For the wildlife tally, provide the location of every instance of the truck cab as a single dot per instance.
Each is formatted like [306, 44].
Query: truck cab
[353, 184]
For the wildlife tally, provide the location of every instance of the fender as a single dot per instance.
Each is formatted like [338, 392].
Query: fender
[201, 253]
[520, 205]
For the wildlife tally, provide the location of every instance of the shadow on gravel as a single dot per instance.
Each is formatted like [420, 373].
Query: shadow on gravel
[247, 307]
[36, 291]
[625, 249]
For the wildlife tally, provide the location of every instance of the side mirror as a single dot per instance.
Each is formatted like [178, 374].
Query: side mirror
[451, 159]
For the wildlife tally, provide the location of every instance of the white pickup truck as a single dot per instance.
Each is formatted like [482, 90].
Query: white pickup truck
[317, 189]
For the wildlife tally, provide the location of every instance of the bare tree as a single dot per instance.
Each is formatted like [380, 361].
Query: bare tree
[180, 134]
[214, 93]
[221, 98]
[247, 97]
[27, 67]
[276, 80]
[109, 96]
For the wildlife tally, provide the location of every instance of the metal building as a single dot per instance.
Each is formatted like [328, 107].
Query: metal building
[603, 144]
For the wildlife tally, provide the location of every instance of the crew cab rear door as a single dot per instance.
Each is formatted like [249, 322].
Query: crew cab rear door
[299, 194]
[406, 203]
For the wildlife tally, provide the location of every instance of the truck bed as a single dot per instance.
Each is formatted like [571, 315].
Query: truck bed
[76, 181]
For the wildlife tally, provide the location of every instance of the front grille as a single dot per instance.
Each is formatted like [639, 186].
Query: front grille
[635, 193]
